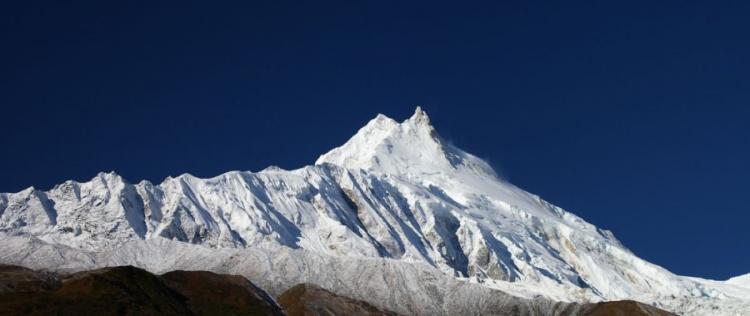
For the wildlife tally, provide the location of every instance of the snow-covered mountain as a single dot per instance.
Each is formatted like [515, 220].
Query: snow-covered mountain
[394, 190]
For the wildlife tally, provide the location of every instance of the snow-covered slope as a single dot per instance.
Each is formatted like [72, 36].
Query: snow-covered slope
[394, 190]
[742, 280]
[407, 288]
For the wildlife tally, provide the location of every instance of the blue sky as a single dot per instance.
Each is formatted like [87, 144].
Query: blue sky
[630, 115]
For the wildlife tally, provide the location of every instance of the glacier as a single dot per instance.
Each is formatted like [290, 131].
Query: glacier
[394, 202]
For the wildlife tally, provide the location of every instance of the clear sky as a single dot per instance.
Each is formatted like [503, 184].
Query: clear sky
[631, 115]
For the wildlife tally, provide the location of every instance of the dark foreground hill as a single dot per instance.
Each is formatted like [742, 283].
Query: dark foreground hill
[310, 299]
[128, 290]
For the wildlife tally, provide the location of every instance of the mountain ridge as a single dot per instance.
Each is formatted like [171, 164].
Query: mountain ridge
[394, 190]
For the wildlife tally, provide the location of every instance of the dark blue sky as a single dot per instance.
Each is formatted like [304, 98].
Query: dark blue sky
[632, 115]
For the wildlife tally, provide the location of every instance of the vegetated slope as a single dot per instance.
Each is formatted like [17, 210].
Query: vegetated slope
[219, 294]
[624, 308]
[20, 279]
[394, 190]
[126, 290]
[405, 288]
[310, 299]
[131, 291]
[389, 285]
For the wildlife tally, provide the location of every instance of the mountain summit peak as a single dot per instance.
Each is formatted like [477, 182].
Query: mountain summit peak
[420, 116]
[412, 147]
